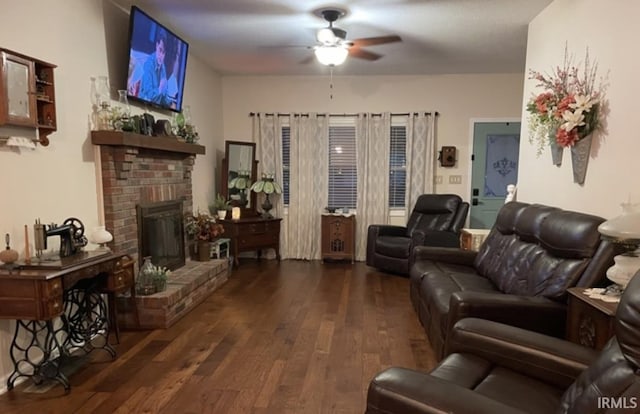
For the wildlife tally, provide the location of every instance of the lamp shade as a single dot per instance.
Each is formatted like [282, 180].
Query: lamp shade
[624, 228]
[331, 55]
[266, 185]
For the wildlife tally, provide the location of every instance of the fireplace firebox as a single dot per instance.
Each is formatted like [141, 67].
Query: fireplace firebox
[161, 233]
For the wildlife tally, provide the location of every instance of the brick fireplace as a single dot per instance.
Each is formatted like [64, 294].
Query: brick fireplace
[133, 176]
[145, 172]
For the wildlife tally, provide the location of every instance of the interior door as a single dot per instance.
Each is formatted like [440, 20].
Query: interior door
[496, 146]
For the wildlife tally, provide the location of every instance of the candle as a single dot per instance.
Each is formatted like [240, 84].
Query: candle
[235, 213]
[27, 254]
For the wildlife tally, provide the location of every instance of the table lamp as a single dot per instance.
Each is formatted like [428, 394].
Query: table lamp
[268, 186]
[624, 230]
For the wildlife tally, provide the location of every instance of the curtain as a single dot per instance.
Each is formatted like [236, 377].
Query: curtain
[420, 157]
[373, 140]
[268, 139]
[308, 186]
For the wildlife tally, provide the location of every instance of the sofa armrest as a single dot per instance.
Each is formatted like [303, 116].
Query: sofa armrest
[549, 359]
[533, 313]
[441, 238]
[405, 391]
[445, 254]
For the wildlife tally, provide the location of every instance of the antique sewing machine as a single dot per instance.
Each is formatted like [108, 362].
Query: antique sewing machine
[71, 233]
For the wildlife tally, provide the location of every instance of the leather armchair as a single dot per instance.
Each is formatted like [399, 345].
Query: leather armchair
[497, 368]
[436, 220]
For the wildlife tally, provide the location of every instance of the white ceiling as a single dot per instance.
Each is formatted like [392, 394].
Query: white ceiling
[269, 37]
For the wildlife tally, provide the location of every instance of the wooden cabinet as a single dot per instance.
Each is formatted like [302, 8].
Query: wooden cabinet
[251, 234]
[472, 239]
[27, 93]
[589, 320]
[338, 237]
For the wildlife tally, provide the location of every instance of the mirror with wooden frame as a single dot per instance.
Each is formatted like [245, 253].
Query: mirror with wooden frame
[239, 171]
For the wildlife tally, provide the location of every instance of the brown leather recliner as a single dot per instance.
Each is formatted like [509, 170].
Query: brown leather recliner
[436, 220]
[520, 276]
[496, 368]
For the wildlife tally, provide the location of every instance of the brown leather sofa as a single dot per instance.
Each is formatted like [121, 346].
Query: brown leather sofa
[436, 220]
[533, 254]
[496, 368]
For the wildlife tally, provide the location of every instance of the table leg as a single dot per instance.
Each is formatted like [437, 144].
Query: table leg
[88, 320]
[40, 339]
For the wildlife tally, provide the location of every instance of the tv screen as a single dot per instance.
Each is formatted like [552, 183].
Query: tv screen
[157, 63]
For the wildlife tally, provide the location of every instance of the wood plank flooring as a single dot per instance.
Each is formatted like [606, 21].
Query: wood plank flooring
[288, 337]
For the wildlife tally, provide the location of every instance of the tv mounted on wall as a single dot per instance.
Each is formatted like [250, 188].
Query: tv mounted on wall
[157, 63]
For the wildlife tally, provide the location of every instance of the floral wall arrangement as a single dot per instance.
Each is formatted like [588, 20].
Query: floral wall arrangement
[567, 111]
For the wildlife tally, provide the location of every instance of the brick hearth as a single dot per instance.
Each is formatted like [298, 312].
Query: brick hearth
[186, 288]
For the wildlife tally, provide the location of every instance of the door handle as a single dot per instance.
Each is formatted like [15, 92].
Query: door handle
[474, 202]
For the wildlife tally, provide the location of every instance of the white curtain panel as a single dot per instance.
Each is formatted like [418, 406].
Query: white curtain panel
[268, 138]
[373, 141]
[420, 157]
[308, 187]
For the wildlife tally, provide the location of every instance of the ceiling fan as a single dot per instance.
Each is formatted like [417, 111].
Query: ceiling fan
[333, 47]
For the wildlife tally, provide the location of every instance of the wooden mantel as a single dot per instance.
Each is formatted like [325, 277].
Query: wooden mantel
[131, 139]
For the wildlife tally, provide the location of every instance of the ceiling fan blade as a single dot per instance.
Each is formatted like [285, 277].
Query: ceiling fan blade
[356, 52]
[372, 41]
[307, 60]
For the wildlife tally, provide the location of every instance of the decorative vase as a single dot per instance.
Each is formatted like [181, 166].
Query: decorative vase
[144, 283]
[556, 150]
[204, 251]
[580, 158]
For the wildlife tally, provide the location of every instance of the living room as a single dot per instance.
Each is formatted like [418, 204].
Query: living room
[81, 37]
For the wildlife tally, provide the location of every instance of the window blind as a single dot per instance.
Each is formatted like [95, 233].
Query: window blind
[286, 157]
[342, 167]
[398, 166]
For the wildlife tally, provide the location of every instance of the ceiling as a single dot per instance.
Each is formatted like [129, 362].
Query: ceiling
[270, 37]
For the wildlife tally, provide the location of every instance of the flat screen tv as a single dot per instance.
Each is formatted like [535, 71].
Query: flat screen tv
[157, 63]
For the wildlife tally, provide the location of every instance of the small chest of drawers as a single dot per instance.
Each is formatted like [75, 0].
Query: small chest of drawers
[252, 233]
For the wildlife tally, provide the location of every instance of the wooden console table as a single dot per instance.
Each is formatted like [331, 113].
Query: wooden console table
[67, 292]
[252, 233]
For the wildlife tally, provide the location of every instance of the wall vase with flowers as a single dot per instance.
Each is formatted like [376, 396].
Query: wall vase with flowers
[566, 113]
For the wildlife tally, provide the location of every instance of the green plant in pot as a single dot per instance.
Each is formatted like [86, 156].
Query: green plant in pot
[220, 206]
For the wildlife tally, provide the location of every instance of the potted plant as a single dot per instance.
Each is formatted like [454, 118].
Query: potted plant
[203, 229]
[158, 276]
[220, 206]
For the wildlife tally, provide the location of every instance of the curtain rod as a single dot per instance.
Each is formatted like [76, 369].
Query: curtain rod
[345, 115]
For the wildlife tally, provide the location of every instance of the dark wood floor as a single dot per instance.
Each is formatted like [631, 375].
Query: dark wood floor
[289, 337]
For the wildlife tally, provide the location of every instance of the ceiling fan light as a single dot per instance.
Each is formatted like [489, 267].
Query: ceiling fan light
[331, 55]
[326, 35]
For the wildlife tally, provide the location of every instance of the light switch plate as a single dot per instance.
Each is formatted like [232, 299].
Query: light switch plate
[455, 179]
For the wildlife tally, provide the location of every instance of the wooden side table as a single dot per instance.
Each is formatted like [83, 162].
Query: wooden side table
[472, 239]
[338, 237]
[589, 320]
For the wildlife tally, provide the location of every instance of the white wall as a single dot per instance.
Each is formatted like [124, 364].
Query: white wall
[457, 98]
[610, 31]
[84, 38]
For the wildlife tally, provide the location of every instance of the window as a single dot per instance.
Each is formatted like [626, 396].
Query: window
[286, 164]
[342, 164]
[398, 166]
[343, 177]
